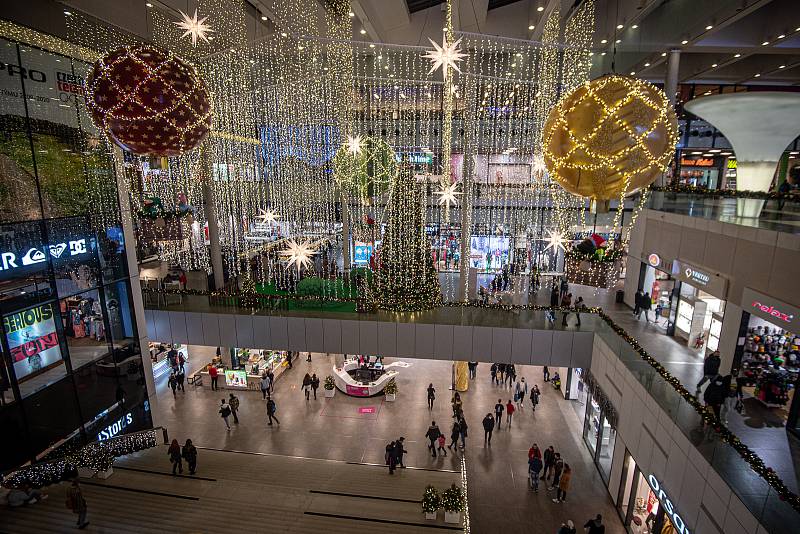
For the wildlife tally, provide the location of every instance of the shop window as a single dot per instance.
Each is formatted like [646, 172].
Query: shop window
[130, 370]
[591, 425]
[35, 348]
[25, 272]
[98, 386]
[606, 455]
[119, 306]
[6, 393]
[14, 450]
[73, 253]
[51, 414]
[113, 262]
[84, 327]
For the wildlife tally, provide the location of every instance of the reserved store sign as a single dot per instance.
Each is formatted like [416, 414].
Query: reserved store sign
[771, 309]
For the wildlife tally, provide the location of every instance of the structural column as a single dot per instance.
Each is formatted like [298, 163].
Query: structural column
[210, 210]
[671, 79]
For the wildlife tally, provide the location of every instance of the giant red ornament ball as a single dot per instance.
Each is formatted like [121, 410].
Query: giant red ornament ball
[149, 101]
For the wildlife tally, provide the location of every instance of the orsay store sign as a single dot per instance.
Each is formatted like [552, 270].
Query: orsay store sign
[669, 508]
[771, 309]
[700, 278]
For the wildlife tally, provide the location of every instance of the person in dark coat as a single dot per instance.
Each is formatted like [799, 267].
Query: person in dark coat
[637, 300]
[433, 434]
[716, 392]
[549, 460]
[391, 457]
[488, 427]
[189, 454]
[174, 453]
[399, 451]
[455, 432]
[554, 297]
[710, 368]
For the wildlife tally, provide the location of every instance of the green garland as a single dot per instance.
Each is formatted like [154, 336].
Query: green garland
[714, 193]
[431, 501]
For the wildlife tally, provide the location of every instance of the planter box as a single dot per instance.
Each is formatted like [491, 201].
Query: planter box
[390, 397]
[430, 516]
[330, 392]
[85, 472]
[452, 517]
[105, 474]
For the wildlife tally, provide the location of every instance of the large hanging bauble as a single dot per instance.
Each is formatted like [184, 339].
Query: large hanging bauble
[367, 172]
[149, 101]
[609, 137]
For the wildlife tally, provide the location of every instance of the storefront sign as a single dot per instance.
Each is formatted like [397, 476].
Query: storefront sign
[669, 509]
[700, 278]
[771, 309]
[30, 256]
[654, 260]
[114, 429]
[419, 158]
[700, 162]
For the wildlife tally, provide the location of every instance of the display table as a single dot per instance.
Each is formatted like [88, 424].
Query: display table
[379, 376]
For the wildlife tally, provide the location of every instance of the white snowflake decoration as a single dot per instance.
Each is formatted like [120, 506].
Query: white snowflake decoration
[445, 56]
[267, 216]
[354, 144]
[555, 241]
[196, 28]
[448, 194]
[298, 254]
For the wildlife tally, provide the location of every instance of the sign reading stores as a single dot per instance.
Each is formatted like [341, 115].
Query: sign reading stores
[112, 430]
[31, 256]
[669, 509]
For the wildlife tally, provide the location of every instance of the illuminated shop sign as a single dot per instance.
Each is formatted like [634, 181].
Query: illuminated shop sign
[700, 278]
[773, 310]
[700, 162]
[669, 509]
[115, 428]
[654, 260]
[418, 158]
[31, 256]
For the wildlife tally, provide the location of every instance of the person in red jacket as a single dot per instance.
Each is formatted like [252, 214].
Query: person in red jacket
[534, 452]
[212, 372]
[509, 412]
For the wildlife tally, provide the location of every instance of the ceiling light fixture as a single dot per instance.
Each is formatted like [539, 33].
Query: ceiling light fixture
[709, 27]
[540, 9]
[781, 36]
[618, 41]
[531, 27]
[634, 26]
[352, 14]
[765, 43]
[713, 65]
[647, 64]
[737, 55]
[603, 41]
[372, 45]
[663, 54]
[633, 73]
[362, 31]
[620, 26]
[684, 42]
[263, 17]
[757, 75]
[602, 53]
[782, 67]
[67, 13]
[148, 4]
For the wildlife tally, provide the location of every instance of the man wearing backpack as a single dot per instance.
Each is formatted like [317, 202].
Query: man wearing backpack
[271, 407]
[225, 412]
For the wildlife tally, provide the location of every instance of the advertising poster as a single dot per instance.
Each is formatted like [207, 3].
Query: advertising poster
[236, 379]
[509, 173]
[362, 253]
[32, 339]
[489, 252]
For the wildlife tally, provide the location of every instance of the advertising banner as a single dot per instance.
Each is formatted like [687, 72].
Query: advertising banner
[488, 252]
[32, 339]
[236, 379]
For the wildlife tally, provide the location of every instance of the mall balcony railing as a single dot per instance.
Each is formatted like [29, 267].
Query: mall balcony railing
[779, 212]
[760, 489]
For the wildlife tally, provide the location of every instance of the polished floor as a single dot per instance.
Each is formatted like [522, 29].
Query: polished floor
[357, 430]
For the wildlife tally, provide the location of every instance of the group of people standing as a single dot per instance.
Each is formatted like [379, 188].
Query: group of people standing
[547, 464]
[642, 302]
[560, 296]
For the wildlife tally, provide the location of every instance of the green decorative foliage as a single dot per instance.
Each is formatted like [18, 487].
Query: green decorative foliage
[329, 383]
[453, 499]
[406, 279]
[368, 172]
[431, 501]
[391, 387]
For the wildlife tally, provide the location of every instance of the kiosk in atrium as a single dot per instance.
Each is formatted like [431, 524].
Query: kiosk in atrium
[360, 376]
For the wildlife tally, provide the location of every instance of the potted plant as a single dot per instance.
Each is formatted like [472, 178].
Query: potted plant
[390, 390]
[453, 504]
[431, 502]
[329, 386]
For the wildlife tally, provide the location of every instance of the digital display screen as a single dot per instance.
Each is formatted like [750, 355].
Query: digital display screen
[236, 379]
[32, 339]
[363, 252]
[488, 252]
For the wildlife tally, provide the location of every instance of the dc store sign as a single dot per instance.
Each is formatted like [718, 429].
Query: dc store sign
[669, 508]
[32, 256]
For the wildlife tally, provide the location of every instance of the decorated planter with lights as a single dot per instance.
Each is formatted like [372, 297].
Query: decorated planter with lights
[431, 502]
[329, 387]
[453, 504]
[391, 390]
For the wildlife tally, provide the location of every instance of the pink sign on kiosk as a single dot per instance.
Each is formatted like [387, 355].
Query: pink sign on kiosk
[357, 391]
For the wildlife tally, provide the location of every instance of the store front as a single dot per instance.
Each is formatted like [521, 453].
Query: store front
[699, 169]
[688, 301]
[166, 356]
[599, 427]
[644, 504]
[768, 355]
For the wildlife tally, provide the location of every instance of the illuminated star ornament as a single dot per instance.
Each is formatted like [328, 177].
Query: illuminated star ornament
[194, 27]
[298, 254]
[445, 56]
[267, 216]
[539, 166]
[555, 241]
[354, 144]
[448, 194]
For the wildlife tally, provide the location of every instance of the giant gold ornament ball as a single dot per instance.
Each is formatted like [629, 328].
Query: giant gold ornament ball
[610, 136]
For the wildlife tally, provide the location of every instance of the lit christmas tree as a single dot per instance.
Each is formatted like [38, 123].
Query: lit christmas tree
[405, 279]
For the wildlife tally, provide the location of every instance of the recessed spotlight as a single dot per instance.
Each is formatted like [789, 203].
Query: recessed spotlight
[684, 42]
[663, 54]
[602, 53]
[618, 41]
[603, 41]
[531, 27]
[709, 27]
[620, 26]
[148, 4]
[737, 55]
[352, 14]
[725, 153]
[634, 26]
[372, 45]
[264, 17]
[713, 65]
[67, 13]
[781, 36]
[362, 31]
[633, 73]
[707, 93]
[591, 54]
[647, 64]
[756, 75]
[540, 9]
[715, 150]
[782, 67]
[765, 43]
[444, 29]
[696, 153]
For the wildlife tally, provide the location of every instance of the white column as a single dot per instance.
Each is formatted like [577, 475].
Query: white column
[210, 210]
[671, 78]
[728, 336]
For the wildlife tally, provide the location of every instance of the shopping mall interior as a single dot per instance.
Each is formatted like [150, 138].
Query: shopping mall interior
[279, 265]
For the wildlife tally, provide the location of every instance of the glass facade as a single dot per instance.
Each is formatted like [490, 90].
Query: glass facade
[599, 434]
[71, 362]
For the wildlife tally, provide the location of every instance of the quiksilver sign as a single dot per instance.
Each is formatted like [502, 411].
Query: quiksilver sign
[31, 256]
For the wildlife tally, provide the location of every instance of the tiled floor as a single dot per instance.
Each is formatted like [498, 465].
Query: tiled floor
[335, 429]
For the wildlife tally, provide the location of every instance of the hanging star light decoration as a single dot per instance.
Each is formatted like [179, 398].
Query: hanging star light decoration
[194, 27]
[267, 216]
[539, 166]
[354, 144]
[445, 56]
[448, 194]
[298, 254]
[555, 241]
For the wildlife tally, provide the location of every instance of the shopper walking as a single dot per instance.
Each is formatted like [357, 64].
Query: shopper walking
[307, 386]
[189, 454]
[173, 383]
[558, 468]
[488, 427]
[473, 369]
[546, 374]
[399, 451]
[308, 357]
[534, 451]
[213, 374]
[181, 377]
[637, 301]
[462, 431]
[549, 460]
[534, 396]
[567, 528]
[391, 458]
[455, 432]
[225, 412]
[271, 377]
[493, 373]
[563, 484]
[564, 288]
[433, 434]
[265, 383]
[440, 441]
[710, 368]
[716, 392]
[511, 374]
[646, 306]
[233, 402]
[509, 412]
[501, 373]
[271, 409]
[595, 526]
[77, 503]
[579, 307]
[289, 359]
[498, 412]
[431, 396]
[457, 405]
[174, 453]
[520, 392]
[534, 468]
[314, 384]
[566, 302]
